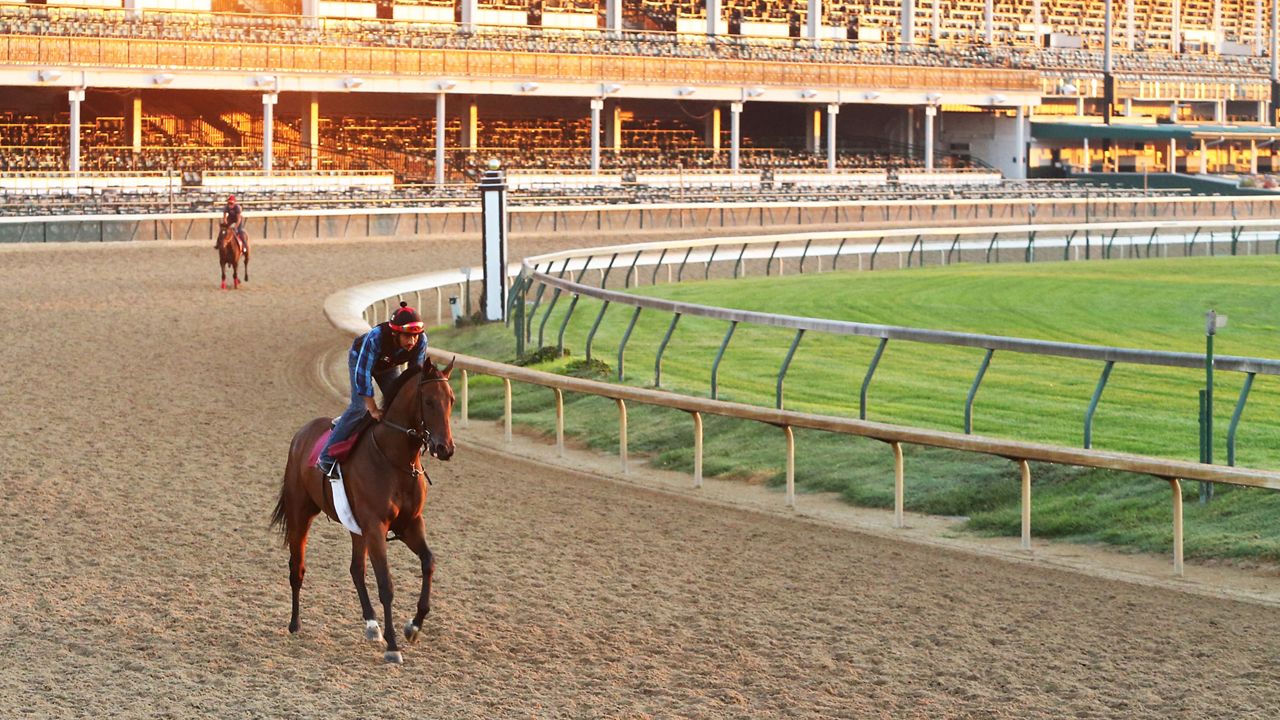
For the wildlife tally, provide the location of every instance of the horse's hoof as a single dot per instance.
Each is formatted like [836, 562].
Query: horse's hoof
[411, 631]
[393, 657]
[224, 285]
[293, 628]
[371, 631]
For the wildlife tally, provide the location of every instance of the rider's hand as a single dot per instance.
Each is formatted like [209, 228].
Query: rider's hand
[374, 411]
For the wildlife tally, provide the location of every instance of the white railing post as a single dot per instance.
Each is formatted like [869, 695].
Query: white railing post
[559, 422]
[697, 449]
[1176, 485]
[622, 433]
[791, 466]
[466, 388]
[897, 484]
[1025, 468]
[506, 410]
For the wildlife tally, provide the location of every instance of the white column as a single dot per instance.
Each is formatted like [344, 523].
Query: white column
[813, 27]
[133, 9]
[911, 132]
[135, 123]
[613, 16]
[1262, 111]
[812, 130]
[1217, 25]
[1204, 158]
[268, 123]
[311, 13]
[469, 8]
[614, 132]
[1175, 33]
[713, 129]
[311, 131]
[1173, 155]
[469, 126]
[935, 28]
[907, 21]
[989, 21]
[1219, 111]
[1128, 107]
[596, 106]
[1037, 17]
[833, 110]
[1253, 157]
[75, 97]
[1173, 111]
[735, 134]
[930, 111]
[1088, 165]
[713, 17]
[1257, 27]
[441, 123]
[1019, 158]
[1128, 25]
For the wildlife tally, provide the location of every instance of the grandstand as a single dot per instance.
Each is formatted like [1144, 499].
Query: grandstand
[428, 90]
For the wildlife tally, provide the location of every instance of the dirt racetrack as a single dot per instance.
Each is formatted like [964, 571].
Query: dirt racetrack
[144, 426]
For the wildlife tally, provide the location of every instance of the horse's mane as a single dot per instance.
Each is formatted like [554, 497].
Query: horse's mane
[389, 396]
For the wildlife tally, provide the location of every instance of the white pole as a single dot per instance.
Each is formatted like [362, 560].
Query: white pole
[613, 16]
[596, 106]
[833, 110]
[930, 111]
[907, 22]
[988, 21]
[440, 127]
[1176, 485]
[1025, 471]
[713, 17]
[898, 485]
[1019, 157]
[791, 466]
[268, 116]
[559, 422]
[697, 449]
[75, 97]
[814, 24]
[735, 134]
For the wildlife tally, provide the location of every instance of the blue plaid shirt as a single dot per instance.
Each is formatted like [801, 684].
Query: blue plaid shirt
[366, 353]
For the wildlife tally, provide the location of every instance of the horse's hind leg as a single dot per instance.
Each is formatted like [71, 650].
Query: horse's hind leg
[358, 553]
[235, 274]
[376, 537]
[415, 538]
[299, 527]
[246, 263]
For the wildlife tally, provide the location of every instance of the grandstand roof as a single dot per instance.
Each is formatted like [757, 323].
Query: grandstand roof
[1081, 131]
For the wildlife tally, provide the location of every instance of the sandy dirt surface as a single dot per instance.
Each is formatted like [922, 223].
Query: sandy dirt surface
[145, 421]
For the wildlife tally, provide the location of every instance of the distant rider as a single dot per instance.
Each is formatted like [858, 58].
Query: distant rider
[232, 215]
[376, 356]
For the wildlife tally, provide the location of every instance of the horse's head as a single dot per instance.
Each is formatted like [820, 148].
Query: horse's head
[435, 406]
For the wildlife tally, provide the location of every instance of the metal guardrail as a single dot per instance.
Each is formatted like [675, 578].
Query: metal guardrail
[355, 309]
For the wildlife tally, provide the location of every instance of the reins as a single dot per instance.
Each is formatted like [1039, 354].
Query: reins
[420, 434]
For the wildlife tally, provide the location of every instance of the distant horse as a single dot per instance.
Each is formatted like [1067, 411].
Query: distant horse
[230, 252]
[386, 486]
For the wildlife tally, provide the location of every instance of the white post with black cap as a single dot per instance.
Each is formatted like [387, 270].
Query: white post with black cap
[493, 207]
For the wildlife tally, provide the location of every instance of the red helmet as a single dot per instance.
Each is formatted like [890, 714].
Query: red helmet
[406, 320]
[231, 198]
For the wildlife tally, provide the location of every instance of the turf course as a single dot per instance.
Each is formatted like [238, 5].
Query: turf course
[1153, 304]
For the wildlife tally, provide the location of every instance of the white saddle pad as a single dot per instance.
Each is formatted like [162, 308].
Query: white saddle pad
[341, 506]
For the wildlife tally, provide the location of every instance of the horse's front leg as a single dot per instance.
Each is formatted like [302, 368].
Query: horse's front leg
[415, 538]
[223, 266]
[358, 552]
[376, 538]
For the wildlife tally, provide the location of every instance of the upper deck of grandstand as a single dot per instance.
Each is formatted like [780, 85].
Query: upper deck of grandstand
[956, 35]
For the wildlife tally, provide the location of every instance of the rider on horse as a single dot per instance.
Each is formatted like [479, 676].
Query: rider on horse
[233, 216]
[376, 356]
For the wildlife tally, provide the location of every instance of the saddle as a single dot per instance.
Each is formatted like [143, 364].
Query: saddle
[342, 448]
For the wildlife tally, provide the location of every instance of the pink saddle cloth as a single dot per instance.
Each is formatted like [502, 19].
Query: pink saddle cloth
[339, 451]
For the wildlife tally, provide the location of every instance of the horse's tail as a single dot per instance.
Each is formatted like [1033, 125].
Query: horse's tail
[278, 517]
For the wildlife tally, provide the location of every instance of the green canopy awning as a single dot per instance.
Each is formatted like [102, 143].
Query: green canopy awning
[1150, 133]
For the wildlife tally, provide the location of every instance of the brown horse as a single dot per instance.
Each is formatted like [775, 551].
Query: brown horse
[230, 252]
[386, 488]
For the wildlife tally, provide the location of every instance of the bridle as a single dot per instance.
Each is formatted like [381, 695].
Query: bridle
[418, 433]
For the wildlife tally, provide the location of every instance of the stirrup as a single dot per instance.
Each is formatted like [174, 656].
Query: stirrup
[333, 472]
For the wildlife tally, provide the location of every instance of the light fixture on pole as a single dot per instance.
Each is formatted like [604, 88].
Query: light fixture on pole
[352, 83]
[529, 86]
[445, 85]
[163, 78]
[49, 75]
[685, 91]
